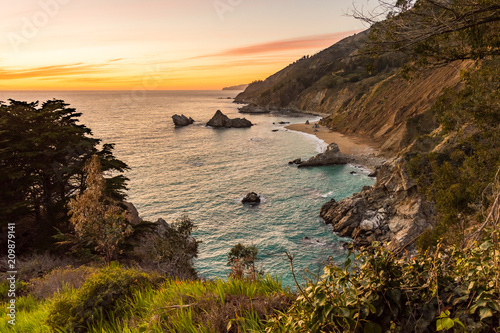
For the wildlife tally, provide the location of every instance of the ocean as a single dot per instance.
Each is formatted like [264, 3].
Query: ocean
[205, 172]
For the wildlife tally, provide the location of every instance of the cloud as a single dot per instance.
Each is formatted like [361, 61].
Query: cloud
[301, 43]
[51, 71]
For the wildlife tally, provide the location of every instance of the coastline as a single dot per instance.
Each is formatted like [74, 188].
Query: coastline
[363, 153]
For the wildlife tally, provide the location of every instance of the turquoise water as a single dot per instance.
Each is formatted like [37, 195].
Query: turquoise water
[205, 172]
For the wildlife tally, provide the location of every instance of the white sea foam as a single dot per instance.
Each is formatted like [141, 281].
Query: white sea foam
[329, 194]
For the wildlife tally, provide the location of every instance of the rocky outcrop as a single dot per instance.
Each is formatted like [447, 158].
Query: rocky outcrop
[133, 214]
[221, 120]
[161, 226]
[182, 120]
[332, 156]
[251, 198]
[392, 211]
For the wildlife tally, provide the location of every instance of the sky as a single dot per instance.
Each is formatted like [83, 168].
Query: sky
[161, 44]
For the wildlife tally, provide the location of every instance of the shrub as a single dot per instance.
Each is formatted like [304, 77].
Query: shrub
[242, 260]
[58, 280]
[96, 299]
[173, 250]
[36, 265]
[96, 217]
[382, 292]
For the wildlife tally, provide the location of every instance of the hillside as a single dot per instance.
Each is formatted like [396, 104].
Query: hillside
[358, 96]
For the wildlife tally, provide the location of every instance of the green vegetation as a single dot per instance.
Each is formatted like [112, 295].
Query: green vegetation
[242, 260]
[453, 288]
[172, 253]
[434, 31]
[456, 176]
[115, 299]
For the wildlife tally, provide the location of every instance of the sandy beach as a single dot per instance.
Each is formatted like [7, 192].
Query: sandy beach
[348, 145]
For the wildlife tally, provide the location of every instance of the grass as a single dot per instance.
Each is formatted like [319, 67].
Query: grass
[30, 316]
[169, 306]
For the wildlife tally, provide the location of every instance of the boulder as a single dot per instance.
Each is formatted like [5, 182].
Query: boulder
[251, 198]
[182, 120]
[296, 161]
[221, 120]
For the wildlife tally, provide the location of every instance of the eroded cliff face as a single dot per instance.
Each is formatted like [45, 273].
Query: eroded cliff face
[383, 111]
[392, 212]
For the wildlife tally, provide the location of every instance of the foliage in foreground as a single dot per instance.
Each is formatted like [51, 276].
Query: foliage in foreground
[170, 249]
[115, 299]
[98, 297]
[451, 289]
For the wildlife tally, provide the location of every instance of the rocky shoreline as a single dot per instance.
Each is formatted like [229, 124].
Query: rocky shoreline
[391, 212]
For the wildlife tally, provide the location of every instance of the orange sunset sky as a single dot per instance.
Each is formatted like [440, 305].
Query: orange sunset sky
[161, 44]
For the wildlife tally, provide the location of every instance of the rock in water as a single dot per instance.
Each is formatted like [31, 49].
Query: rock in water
[221, 120]
[295, 161]
[332, 156]
[182, 120]
[251, 198]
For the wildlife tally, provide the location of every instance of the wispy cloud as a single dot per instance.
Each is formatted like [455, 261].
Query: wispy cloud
[301, 43]
[52, 71]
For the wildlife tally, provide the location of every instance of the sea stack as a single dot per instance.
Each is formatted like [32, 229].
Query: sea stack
[220, 120]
